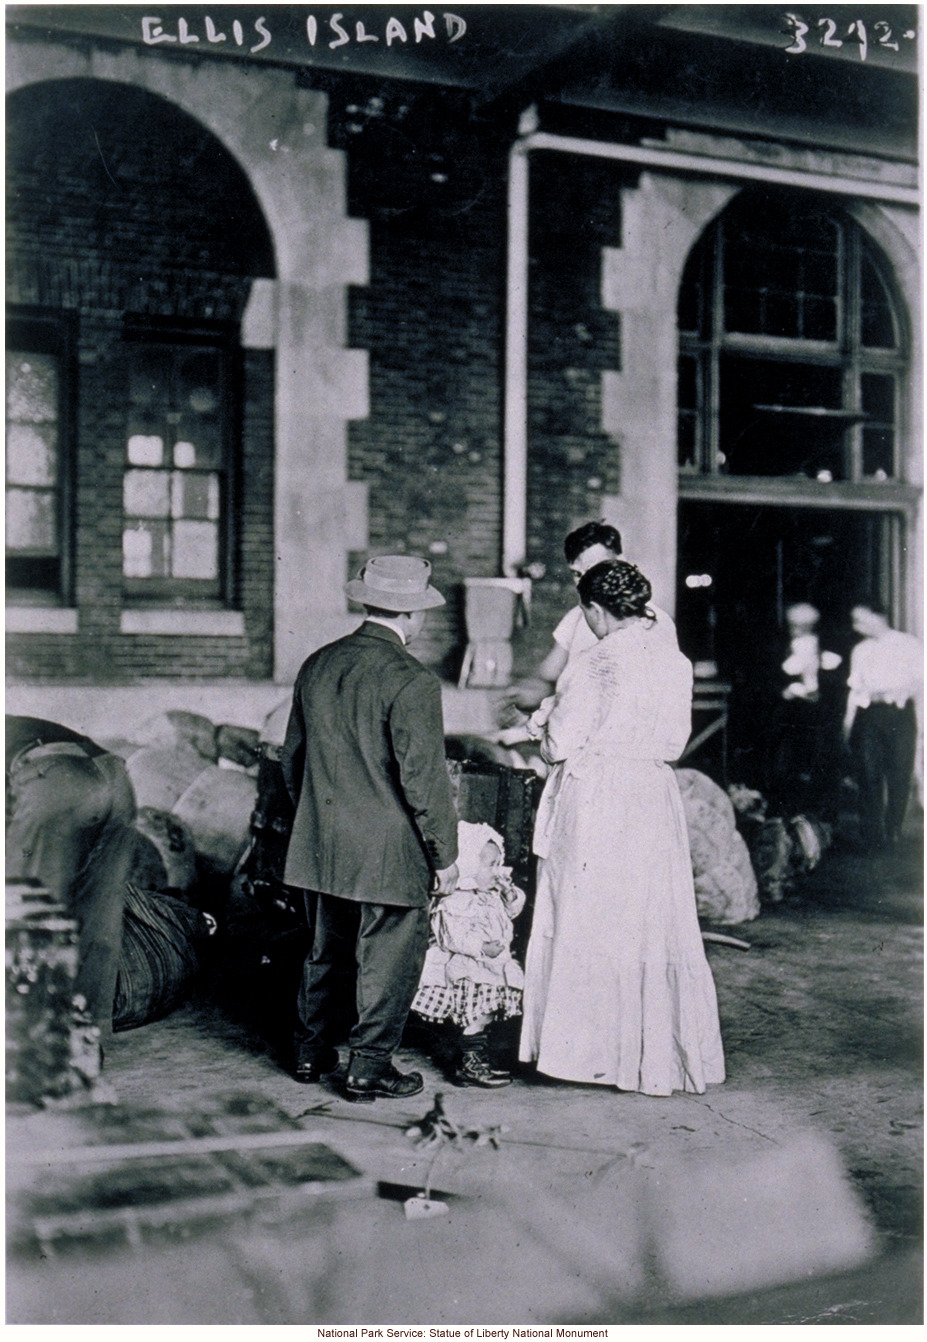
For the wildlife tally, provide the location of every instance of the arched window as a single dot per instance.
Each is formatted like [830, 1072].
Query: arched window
[790, 349]
[134, 239]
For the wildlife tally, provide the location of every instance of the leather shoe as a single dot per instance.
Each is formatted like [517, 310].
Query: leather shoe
[311, 1066]
[391, 1084]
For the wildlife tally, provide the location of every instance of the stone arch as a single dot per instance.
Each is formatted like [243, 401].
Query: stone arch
[897, 234]
[155, 191]
[277, 133]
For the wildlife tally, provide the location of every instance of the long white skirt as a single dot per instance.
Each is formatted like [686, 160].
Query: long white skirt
[617, 987]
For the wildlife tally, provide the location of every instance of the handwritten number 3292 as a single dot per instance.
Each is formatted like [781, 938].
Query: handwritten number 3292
[827, 35]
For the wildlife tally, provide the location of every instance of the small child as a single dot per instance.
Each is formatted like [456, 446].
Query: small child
[470, 976]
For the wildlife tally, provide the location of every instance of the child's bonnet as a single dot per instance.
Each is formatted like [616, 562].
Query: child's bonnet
[471, 840]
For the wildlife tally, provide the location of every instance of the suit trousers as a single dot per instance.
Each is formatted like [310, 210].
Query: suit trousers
[71, 828]
[883, 743]
[375, 950]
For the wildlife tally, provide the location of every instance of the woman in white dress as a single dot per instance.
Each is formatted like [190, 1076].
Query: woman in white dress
[618, 991]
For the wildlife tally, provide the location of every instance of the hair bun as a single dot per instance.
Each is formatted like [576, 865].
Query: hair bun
[618, 587]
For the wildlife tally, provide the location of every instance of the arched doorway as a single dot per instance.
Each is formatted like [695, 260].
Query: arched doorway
[792, 366]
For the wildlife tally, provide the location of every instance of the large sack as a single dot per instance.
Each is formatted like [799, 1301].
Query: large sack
[177, 727]
[725, 883]
[216, 808]
[158, 959]
[161, 774]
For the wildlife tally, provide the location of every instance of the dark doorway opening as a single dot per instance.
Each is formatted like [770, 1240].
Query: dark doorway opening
[740, 567]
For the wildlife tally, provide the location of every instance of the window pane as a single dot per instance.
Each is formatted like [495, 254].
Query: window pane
[819, 318]
[184, 455]
[194, 495]
[781, 418]
[198, 389]
[687, 371]
[146, 548]
[176, 427]
[33, 458]
[31, 388]
[777, 261]
[878, 396]
[197, 442]
[689, 307]
[32, 454]
[878, 328]
[782, 316]
[145, 494]
[686, 439]
[196, 550]
[30, 521]
[743, 311]
[150, 377]
[198, 380]
[691, 294]
[790, 268]
[878, 452]
[146, 449]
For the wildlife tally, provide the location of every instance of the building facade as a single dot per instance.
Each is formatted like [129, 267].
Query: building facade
[293, 286]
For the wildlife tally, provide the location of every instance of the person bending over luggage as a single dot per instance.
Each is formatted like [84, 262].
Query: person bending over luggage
[70, 808]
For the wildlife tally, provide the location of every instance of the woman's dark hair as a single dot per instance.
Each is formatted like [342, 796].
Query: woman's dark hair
[589, 534]
[617, 587]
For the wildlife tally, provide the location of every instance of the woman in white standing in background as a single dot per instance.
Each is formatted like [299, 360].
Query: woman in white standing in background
[618, 991]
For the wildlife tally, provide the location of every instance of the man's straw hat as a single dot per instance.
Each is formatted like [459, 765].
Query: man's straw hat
[395, 582]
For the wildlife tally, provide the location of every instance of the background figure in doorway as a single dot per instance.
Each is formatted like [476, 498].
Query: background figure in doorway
[880, 725]
[805, 746]
[70, 808]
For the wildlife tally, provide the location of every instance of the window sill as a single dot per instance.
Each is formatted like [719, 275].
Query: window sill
[40, 620]
[797, 490]
[175, 622]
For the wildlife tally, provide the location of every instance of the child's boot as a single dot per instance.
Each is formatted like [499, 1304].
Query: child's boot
[473, 1068]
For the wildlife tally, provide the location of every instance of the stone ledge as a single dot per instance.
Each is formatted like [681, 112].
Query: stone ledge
[172, 622]
[41, 620]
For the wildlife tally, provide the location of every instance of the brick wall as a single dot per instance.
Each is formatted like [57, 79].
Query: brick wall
[575, 212]
[430, 450]
[148, 216]
[432, 319]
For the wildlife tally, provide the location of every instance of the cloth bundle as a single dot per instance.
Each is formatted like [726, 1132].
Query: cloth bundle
[159, 957]
[725, 883]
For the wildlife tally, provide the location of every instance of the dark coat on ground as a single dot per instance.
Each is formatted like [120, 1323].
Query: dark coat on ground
[364, 763]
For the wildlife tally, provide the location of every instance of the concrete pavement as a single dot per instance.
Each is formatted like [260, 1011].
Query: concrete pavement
[792, 1193]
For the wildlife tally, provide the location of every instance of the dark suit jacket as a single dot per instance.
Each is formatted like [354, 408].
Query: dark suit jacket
[364, 763]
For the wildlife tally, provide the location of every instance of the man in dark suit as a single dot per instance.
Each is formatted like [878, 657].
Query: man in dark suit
[375, 828]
